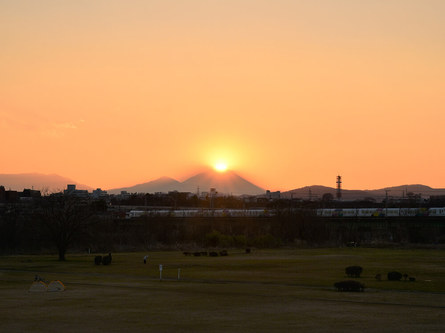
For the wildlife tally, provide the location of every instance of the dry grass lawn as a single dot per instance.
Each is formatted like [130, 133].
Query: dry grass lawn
[267, 291]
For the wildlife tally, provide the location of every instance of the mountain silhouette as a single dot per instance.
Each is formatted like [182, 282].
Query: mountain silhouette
[163, 184]
[224, 182]
[42, 182]
[316, 192]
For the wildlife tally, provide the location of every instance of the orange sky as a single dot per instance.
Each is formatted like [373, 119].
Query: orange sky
[288, 93]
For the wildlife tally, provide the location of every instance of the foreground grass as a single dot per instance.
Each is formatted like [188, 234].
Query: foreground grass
[309, 267]
[261, 292]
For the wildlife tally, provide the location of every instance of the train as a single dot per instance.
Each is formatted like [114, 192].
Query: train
[199, 213]
[259, 212]
[380, 212]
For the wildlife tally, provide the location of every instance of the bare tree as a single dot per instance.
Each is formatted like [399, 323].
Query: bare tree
[65, 218]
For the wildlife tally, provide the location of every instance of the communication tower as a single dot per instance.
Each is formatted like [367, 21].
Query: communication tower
[338, 187]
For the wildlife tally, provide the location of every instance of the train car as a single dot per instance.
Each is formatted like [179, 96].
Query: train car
[392, 212]
[256, 212]
[321, 212]
[367, 212]
[408, 211]
[422, 212]
[349, 212]
[327, 212]
[185, 213]
[337, 212]
[135, 213]
[436, 211]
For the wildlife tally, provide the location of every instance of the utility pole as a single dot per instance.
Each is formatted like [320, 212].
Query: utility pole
[386, 202]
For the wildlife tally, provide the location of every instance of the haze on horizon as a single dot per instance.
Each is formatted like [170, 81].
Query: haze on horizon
[285, 93]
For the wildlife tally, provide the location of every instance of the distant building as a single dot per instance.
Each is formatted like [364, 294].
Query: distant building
[2, 194]
[437, 200]
[13, 196]
[29, 194]
[212, 197]
[98, 194]
[213, 193]
[273, 195]
[71, 190]
[124, 195]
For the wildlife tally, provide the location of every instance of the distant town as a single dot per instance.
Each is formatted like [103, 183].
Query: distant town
[330, 203]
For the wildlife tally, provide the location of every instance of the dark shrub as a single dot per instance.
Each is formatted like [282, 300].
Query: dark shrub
[412, 279]
[239, 241]
[197, 254]
[97, 260]
[187, 253]
[215, 238]
[266, 241]
[349, 285]
[204, 254]
[247, 251]
[353, 271]
[394, 276]
[213, 254]
[223, 253]
[106, 260]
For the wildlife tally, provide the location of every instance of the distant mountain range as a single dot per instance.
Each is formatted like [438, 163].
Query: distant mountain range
[224, 182]
[163, 184]
[41, 182]
[317, 191]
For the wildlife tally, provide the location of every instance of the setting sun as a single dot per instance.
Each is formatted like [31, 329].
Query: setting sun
[220, 166]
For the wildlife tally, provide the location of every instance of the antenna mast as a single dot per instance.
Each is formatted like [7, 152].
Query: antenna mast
[339, 187]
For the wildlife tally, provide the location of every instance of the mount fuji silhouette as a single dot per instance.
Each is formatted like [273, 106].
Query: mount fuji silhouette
[224, 182]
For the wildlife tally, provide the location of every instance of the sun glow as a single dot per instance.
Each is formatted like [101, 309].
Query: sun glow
[222, 158]
[220, 166]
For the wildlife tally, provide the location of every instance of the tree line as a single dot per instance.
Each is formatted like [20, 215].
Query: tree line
[58, 224]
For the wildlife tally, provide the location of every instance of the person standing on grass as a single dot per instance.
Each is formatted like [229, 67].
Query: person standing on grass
[145, 259]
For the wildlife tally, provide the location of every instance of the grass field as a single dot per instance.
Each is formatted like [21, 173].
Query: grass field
[265, 291]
